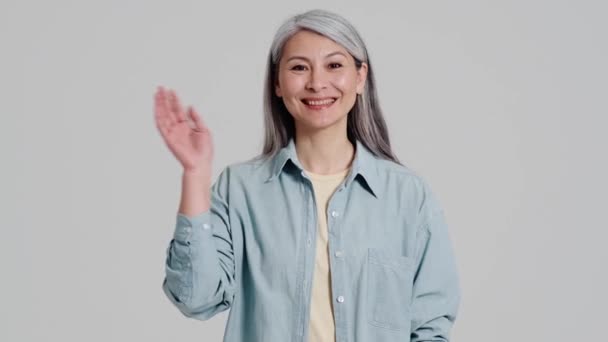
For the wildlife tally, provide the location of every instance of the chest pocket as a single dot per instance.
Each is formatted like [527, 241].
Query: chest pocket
[389, 289]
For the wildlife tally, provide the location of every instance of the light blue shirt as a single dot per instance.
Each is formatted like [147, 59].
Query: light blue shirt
[393, 272]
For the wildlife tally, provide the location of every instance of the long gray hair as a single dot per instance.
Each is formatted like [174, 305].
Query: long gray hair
[365, 120]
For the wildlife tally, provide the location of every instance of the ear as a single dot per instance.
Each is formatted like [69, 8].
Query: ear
[277, 89]
[361, 78]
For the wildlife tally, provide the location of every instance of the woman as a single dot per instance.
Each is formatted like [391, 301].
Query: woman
[323, 237]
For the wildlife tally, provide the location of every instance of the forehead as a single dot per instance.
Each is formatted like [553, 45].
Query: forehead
[307, 43]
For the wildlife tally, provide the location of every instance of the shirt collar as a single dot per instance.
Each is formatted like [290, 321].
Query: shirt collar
[364, 165]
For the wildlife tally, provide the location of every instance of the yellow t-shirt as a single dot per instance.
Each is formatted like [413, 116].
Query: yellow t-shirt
[322, 326]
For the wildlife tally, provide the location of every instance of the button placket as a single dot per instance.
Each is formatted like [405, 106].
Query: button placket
[334, 212]
[311, 232]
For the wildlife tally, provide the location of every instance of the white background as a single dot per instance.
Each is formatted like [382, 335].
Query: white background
[501, 105]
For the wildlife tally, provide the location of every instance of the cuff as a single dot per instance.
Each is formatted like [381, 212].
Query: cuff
[188, 228]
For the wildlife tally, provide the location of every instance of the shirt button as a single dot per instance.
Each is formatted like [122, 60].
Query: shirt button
[334, 214]
[341, 299]
[308, 242]
[338, 254]
[206, 226]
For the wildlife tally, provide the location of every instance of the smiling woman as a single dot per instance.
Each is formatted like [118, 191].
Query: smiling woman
[318, 81]
[324, 236]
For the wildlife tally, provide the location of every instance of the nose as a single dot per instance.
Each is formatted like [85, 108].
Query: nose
[317, 80]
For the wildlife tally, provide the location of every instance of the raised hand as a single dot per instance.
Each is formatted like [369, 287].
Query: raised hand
[192, 146]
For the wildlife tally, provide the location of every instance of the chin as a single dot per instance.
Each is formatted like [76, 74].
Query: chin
[321, 122]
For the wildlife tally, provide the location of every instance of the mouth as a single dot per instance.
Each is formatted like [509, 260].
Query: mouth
[317, 104]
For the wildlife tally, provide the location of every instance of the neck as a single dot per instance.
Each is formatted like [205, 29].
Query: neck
[324, 152]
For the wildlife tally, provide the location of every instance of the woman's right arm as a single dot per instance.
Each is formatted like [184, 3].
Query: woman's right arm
[199, 268]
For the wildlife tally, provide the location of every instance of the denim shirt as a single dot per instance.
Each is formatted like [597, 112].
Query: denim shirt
[393, 272]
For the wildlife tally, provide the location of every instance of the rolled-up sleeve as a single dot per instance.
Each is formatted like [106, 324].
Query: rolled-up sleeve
[437, 294]
[200, 267]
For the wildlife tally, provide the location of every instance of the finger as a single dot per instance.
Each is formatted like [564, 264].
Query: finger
[176, 107]
[166, 107]
[199, 124]
[160, 112]
[161, 106]
[163, 129]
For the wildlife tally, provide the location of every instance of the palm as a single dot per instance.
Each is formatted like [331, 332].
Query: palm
[192, 146]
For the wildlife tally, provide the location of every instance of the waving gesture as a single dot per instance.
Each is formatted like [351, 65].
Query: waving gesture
[192, 146]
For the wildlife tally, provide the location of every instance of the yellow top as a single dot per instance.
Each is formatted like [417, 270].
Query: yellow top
[322, 326]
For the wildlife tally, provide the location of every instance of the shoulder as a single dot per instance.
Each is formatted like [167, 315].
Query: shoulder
[410, 188]
[250, 170]
[401, 176]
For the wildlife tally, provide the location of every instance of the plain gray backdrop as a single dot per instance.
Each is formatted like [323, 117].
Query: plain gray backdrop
[501, 105]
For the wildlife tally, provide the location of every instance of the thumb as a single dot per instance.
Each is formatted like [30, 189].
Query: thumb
[198, 122]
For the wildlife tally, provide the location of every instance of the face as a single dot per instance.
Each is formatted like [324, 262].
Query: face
[318, 81]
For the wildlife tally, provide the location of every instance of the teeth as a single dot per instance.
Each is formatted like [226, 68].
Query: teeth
[319, 103]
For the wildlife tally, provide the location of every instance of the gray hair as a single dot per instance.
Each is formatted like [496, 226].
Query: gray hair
[365, 120]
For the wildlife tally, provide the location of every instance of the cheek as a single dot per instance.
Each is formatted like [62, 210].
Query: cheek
[346, 84]
[290, 86]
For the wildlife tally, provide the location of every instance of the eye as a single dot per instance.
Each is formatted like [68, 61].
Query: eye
[298, 67]
[335, 65]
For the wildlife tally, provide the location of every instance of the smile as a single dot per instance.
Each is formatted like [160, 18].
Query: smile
[319, 104]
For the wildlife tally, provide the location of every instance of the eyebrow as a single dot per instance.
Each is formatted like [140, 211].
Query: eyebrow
[306, 59]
